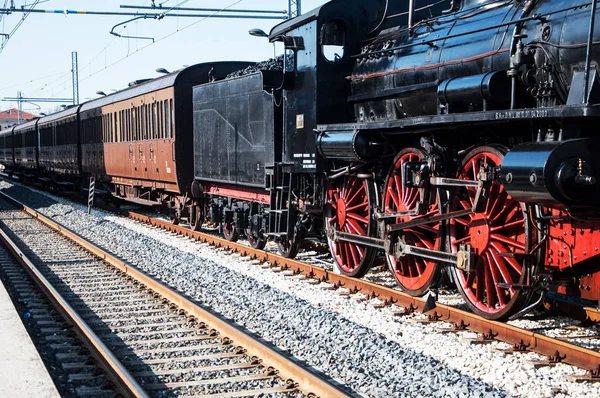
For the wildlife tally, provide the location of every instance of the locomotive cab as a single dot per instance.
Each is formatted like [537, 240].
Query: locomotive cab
[319, 46]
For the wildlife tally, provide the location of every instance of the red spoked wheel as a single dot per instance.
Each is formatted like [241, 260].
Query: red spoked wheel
[349, 207]
[496, 235]
[415, 275]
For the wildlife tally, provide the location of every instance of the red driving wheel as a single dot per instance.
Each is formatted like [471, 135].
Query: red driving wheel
[349, 202]
[497, 236]
[415, 275]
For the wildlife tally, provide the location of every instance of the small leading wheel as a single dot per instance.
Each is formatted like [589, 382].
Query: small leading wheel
[415, 275]
[196, 217]
[497, 235]
[256, 242]
[256, 239]
[230, 230]
[349, 210]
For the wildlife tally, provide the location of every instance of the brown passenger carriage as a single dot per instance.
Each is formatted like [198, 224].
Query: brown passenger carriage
[136, 141]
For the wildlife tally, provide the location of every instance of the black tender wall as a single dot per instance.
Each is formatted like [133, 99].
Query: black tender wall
[233, 131]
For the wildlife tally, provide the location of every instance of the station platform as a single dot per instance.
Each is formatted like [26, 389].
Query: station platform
[22, 372]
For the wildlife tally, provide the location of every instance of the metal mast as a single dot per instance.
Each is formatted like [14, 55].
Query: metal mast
[294, 8]
[75, 73]
[19, 106]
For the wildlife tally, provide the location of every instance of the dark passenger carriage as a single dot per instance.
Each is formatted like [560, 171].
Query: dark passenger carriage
[25, 141]
[59, 156]
[7, 155]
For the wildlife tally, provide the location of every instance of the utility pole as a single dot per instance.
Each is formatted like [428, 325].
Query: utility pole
[19, 106]
[75, 73]
[294, 8]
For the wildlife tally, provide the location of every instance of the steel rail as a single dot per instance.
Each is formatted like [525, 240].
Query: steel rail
[125, 381]
[288, 369]
[574, 355]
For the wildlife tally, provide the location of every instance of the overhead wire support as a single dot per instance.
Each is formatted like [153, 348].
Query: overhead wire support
[75, 76]
[112, 31]
[294, 8]
[160, 7]
[25, 11]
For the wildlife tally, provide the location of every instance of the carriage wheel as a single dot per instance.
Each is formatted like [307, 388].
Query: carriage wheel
[230, 231]
[196, 217]
[415, 275]
[495, 236]
[256, 242]
[288, 248]
[349, 207]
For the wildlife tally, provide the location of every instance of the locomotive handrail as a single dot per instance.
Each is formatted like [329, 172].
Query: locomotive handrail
[540, 17]
[588, 55]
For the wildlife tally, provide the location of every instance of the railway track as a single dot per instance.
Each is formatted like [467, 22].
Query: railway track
[556, 350]
[148, 338]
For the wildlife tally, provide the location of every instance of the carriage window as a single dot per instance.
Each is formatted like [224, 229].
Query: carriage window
[333, 40]
[167, 120]
[171, 123]
[160, 124]
[154, 132]
[116, 120]
[111, 134]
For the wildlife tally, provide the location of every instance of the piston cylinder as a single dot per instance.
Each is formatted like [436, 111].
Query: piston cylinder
[350, 146]
[556, 172]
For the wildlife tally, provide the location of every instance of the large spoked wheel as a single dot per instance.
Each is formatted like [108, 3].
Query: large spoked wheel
[497, 235]
[415, 275]
[231, 231]
[349, 206]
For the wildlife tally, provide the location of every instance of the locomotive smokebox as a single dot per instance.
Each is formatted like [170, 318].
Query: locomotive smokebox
[350, 146]
[553, 173]
[493, 87]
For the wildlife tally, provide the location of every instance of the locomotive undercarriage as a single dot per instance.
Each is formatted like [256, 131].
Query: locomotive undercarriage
[288, 213]
[433, 212]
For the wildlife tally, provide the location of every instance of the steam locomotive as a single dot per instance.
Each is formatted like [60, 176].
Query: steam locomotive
[447, 136]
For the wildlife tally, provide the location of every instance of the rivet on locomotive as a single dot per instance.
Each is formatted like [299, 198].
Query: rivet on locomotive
[447, 137]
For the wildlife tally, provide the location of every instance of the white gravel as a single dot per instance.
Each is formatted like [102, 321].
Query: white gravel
[372, 351]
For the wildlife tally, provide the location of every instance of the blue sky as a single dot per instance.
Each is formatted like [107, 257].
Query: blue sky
[37, 59]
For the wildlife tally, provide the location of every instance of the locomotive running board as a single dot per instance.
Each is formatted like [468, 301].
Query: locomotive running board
[461, 260]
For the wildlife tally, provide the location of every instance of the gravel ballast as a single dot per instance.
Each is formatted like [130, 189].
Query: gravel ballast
[370, 350]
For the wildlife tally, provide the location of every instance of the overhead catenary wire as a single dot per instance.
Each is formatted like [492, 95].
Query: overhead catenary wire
[154, 15]
[157, 41]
